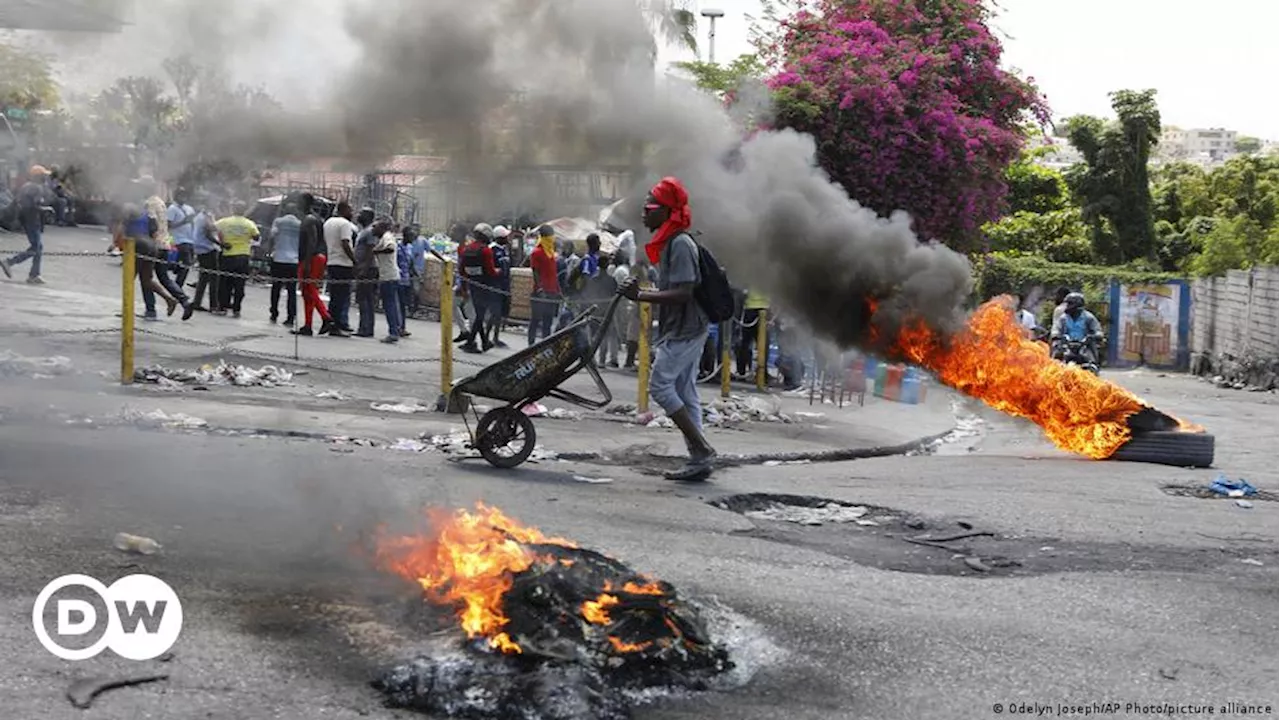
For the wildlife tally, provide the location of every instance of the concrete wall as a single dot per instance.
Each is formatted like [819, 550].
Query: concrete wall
[1234, 322]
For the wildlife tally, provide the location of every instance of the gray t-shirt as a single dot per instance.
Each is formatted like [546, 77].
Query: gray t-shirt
[365, 264]
[678, 265]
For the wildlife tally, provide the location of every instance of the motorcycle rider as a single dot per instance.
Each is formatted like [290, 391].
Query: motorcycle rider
[1076, 324]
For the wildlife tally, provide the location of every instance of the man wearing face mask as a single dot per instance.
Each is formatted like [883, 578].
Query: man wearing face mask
[682, 323]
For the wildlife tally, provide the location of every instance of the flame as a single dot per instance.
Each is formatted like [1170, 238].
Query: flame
[596, 611]
[625, 647]
[993, 361]
[468, 564]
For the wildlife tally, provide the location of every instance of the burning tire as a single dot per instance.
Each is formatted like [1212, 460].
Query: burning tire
[1167, 447]
[505, 437]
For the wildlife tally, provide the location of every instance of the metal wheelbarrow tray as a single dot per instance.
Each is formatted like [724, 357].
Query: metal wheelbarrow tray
[505, 436]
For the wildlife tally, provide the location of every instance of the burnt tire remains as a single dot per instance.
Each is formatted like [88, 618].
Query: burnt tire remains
[1163, 447]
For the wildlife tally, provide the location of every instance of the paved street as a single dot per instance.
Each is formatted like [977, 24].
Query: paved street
[1101, 584]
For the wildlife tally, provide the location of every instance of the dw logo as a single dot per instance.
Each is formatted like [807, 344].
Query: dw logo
[144, 617]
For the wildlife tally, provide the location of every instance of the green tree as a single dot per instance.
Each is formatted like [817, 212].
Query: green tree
[724, 80]
[1056, 236]
[1237, 243]
[26, 81]
[1247, 145]
[1034, 187]
[1113, 186]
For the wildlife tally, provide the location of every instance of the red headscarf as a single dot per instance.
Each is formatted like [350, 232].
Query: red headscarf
[670, 194]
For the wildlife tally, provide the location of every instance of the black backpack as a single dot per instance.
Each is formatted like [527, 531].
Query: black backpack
[713, 293]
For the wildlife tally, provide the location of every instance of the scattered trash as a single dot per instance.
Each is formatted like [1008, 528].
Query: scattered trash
[540, 453]
[456, 442]
[541, 411]
[592, 481]
[136, 544]
[39, 368]
[349, 440]
[1169, 673]
[1252, 561]
[809, 416]
[331, 395]
[752, 408]
[407, 445]
[780, 463]
[977, 564]
[82, 692]
[399, 408]
[1232, 488]
[812, 516]
[223, 373]
[159, 418]
[1244, 504]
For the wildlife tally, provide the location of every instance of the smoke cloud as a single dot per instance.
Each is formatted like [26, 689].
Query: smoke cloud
[576, 76]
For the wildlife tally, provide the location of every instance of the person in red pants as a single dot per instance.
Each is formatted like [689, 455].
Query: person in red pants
[311, 266]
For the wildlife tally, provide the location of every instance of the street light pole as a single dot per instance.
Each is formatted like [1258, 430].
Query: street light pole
[712, 15]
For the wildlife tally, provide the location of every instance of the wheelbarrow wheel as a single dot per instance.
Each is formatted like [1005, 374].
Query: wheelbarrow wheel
[505, 437]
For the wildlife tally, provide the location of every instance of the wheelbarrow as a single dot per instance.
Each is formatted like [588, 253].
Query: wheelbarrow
[505, 436]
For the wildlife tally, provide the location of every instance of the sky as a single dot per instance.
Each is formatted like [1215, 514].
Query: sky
[1213, 64]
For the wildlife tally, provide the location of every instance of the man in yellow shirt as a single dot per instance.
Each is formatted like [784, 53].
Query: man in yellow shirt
[237, 233]
[751, 308]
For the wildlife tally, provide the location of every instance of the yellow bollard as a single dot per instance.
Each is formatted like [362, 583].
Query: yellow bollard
[762, 349]
[646, 329]
[127, 312]
[726, 334]
[446, 332]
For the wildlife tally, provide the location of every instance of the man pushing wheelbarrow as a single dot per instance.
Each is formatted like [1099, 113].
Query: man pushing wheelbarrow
[692, 293]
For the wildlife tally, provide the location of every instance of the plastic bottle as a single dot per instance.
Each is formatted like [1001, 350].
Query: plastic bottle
[136, 544]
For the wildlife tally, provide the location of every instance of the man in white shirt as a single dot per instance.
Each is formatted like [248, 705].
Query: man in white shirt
[181, 217]
[339, 232]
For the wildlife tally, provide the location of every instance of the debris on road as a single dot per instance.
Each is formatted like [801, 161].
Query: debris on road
[136, 544]
[539, 410]
[224, 373]
[1240, 487]
[401, 408]
[331, 395]
[161, 419]
[1244, 504]
[407, 445]
[82, 692]
[569, 634]
[591, 480]
[37, 368]
[812, 516]
[1252, 561]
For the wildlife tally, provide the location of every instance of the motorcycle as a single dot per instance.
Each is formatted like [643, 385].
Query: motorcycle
[1079, 353]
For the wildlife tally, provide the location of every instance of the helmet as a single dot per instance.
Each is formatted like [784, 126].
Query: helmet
[1075, 301]
[501, 231]
[482, 231]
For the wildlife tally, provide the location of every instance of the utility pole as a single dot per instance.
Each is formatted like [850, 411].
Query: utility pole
[712, 15]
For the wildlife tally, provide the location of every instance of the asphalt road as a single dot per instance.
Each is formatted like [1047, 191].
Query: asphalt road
[1099, 586]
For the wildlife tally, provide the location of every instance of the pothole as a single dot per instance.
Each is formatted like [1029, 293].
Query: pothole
[806, 510]
[900, 541]
[1204, 493]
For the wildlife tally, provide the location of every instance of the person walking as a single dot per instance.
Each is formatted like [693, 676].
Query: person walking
[311, 268]
[502, 302]
[626, 320]
[475, 264]
[752, 307]
[339, 232]
[32, 197]
[181, 218]
[208, 249]
[463, 309]
[404, 285]
[237, 233]
[682, 323]
[544, 303]
[139, 226]
[286, 232]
